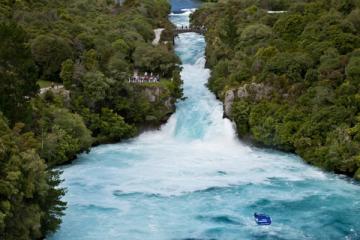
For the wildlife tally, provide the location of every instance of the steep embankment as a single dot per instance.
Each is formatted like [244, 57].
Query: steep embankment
[290, 80]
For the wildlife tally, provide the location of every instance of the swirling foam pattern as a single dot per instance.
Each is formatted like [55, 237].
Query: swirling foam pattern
[194, 180]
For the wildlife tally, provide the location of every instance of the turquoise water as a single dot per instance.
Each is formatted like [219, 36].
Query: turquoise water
[193, 179]
[178, 5]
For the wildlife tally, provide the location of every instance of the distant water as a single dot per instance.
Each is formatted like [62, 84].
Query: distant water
[194, 180]
[178, 5]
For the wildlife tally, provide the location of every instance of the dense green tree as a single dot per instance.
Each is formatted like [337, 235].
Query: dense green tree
[49, 52]
[112, 127]
[66, 74]
[354, 18]
[295, 65]
[26, 186]
[121, 46]
[331, 65]
[228, 31]
[117, 65]
[255, 33]
[353, 69]
[95, 86]
[17, 72]
[289, 27]
[155, 59]
[240, 114]
[61, 134]
[345, 6]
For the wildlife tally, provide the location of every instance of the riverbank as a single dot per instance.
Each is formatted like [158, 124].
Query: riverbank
[288, 88]
[91, 49]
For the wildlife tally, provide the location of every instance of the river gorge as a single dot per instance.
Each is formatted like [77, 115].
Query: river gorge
[193, 179]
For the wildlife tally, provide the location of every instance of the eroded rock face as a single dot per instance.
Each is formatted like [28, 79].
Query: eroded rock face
[169, 104]
[152, 94]
[161, 99]
[254, 91]
[228, 102]
[249, 91]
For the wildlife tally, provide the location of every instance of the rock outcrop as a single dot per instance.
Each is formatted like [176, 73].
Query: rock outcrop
[228, 102]
[152, 93]
[249, 91]
[162, 101]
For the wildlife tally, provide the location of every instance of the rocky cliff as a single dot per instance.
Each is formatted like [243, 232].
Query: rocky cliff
[251, 91]
[161, 101]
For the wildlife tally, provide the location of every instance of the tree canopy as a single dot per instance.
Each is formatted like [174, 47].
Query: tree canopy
[294, 74]
[17, 72]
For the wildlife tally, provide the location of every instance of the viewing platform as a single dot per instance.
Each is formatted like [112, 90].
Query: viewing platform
[146, 78]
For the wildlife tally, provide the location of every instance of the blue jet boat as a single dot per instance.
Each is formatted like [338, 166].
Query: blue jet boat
[262, 219]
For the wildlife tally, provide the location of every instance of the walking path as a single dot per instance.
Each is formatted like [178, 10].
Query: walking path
[157, 32]
[276, 12]
[56, 87]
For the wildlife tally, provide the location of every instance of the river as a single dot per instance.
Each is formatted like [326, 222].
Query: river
[193, 179]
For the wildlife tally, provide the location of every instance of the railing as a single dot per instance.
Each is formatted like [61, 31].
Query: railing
[200, 30]
[144, 79]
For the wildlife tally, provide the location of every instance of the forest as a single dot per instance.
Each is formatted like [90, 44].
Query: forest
[91, 48]
[288, 73]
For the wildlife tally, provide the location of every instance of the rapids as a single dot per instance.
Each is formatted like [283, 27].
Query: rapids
[193, 179]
